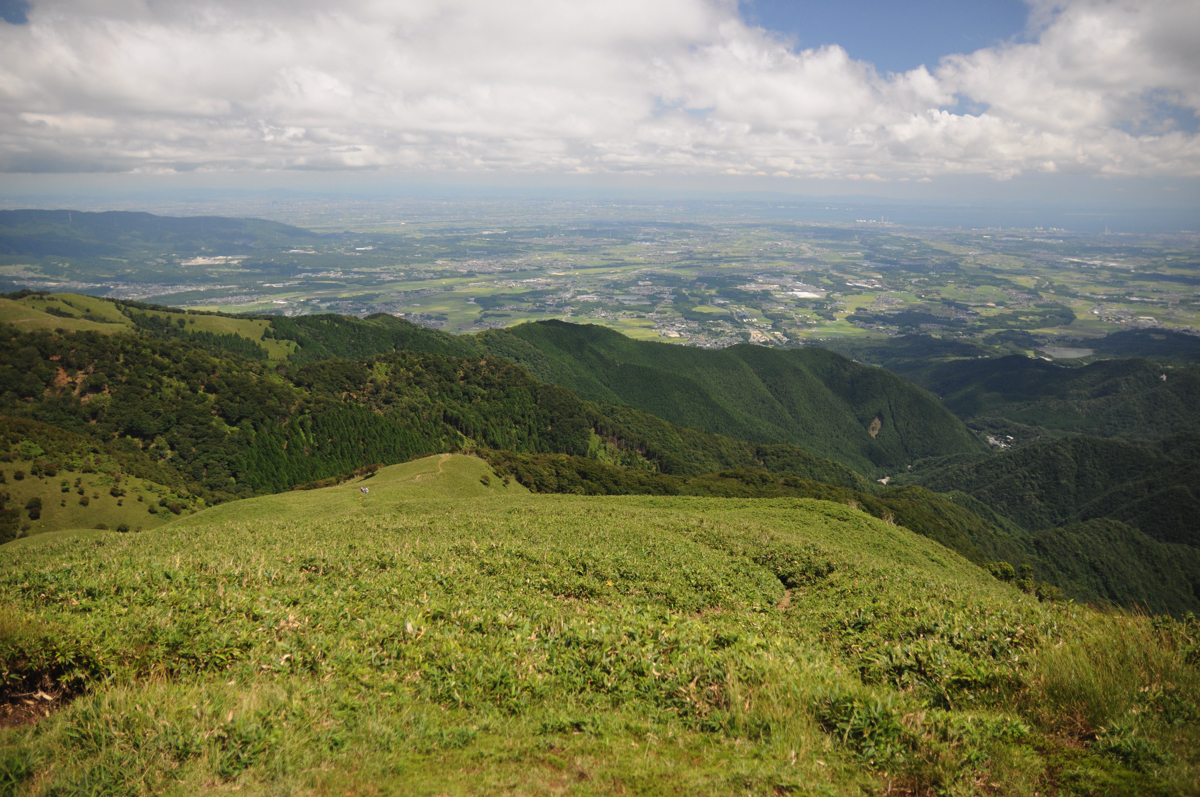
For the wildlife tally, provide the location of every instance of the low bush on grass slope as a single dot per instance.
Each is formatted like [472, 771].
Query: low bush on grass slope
[543, 644]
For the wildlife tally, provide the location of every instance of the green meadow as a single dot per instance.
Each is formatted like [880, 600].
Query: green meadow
[447, 632]
[79, 313]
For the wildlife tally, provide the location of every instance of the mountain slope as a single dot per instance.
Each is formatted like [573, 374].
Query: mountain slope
[73, 233]
[1054, 482]
[222, 425]
[438, 635]
[862, 417]
[327, 336]
[1131, 399]
[1106, 561]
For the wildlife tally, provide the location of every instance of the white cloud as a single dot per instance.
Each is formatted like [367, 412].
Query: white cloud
[674, 86]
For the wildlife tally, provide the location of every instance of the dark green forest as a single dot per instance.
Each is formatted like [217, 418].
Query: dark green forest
[1059, 481]
[865, 418]
[1131, 399]
[326, 336]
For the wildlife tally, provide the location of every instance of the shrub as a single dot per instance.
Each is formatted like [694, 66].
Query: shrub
[869, 726]
[1001, 570]
[19, 475]
[123, 527]
[84, 500]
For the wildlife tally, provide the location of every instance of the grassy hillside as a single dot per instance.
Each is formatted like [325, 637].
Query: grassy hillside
[52, 479]
[439, 635]
[934, 516]
[863, 417]
[1101, 562]
[248, 337]
[127, 503]
[46, 313]
[206, 420]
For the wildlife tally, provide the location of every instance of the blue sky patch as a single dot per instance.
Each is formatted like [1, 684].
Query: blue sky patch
[14, 12]
[895, 37]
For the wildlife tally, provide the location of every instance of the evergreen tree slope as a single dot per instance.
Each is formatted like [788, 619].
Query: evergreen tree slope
[1055, 482]
[912, 424]
[1106, 561]
[327, 336]
[1128, 399]
[864, 418]
[1158, 344]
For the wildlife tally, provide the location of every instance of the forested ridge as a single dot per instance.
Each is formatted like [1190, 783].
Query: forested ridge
[73, 233]
[327, 336]
[211, 418]
[864, 417]
[234, 427]
[1131, 399]
[1055, 482]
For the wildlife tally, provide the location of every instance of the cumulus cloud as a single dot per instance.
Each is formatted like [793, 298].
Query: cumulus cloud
[673, 86]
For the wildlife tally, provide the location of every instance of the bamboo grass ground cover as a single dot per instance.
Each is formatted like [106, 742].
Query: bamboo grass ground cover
[446, 633]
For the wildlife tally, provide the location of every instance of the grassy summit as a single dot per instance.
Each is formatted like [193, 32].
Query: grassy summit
[449, 633]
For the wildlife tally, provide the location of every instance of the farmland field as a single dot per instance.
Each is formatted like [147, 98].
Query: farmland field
[696, 276]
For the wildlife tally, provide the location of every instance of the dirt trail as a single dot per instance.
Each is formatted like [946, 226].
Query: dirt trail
[441, 461]
[786, 602]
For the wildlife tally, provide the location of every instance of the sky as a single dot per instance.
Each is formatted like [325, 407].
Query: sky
[893, 36]
[1081, 97]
